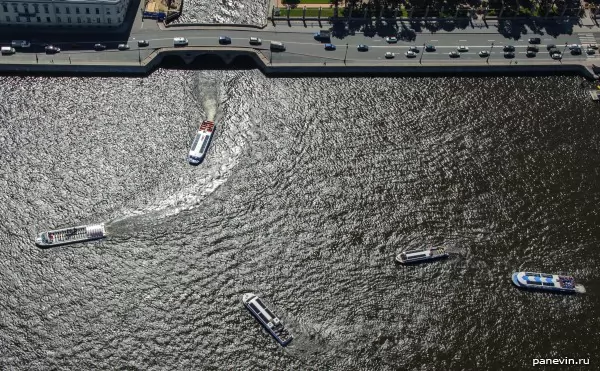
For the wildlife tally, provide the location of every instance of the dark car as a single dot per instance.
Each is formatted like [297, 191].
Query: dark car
[576, 51]
[550, 46]
[553, 51]
[535, 40]
[142, 43]
[224, 40]
[531, 54]
[363, 48]
[430, 48]
[50, 49]
[533, 48]
[509, 48]
[99, 47]
[509, 54]
[329, 47]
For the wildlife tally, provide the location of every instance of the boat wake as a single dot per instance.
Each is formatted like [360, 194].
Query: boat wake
[223, 154]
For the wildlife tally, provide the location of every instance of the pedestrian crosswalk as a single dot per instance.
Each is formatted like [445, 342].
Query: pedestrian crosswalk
[586, 39]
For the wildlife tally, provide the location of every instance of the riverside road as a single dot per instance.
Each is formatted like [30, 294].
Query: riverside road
[302, 48]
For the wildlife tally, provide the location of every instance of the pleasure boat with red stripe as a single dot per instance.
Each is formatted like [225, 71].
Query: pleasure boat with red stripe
[547, 282]
[66, 236]
[201, 142]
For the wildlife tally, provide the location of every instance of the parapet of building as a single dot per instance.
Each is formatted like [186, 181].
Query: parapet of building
[64, 13]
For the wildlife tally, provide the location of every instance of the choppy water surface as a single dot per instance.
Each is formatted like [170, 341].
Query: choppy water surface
[310, 189]
[252, 12]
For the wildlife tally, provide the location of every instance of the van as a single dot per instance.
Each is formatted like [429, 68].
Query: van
[20, 44]
[7, 50]
[277, 46]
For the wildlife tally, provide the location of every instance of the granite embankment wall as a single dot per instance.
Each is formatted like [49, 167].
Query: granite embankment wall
[248, 58]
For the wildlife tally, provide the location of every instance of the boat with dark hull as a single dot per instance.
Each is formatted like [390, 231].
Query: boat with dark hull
[547, 282]
[418, 256]
[266, 318]
[71, 235]
[201, 142]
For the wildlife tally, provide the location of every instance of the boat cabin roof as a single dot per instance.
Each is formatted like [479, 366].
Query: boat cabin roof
[261, 310]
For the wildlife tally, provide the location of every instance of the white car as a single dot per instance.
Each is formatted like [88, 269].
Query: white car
[454, 54]
[123, 47]
[410, 54]
[414, 49]
[255, 41]
[463, 49]
[391, 39]
[180, 41]
[389, 55]
[556, 56]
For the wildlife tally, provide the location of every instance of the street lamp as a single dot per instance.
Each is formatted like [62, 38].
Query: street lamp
[488, 58]
[422, 52]
[345, 55]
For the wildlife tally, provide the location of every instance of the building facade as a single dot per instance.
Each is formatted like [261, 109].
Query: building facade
[64, 13]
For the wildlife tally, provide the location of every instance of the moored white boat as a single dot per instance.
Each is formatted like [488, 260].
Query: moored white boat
[266, 318]
[417, 256]
[547, 282]
[66, 236]
[201, 142]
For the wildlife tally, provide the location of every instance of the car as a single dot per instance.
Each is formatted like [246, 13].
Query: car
[576, 51]
[531, 54]
[462, 49]
[550, 46]
[554, 51]
[389, 55]
[413, 49]
[362, 48]
[123, 47]
[50, 49]
[533, 48]
[142, 43]
[574, 46]
[557, 56]
[430, 48]
[509, 54]
[391, 39]
[255, 41]
[590, 51]
[224, 40]
[508, 48]
[484, 53]
[535, 40]
[180, 41]
[7, 50]
[410, 54]
[99, 47]
[329, 47]
[454, 54]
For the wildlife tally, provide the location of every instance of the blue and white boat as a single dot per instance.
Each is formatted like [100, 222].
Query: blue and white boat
[417, 256]
[269, 321]
[201, 143]
[547, 282]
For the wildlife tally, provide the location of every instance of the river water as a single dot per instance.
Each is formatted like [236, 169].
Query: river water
[310, 188]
